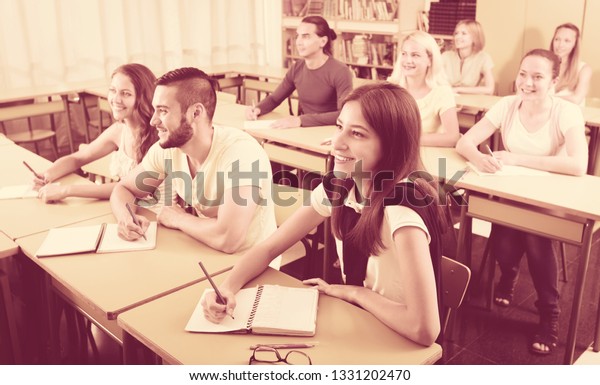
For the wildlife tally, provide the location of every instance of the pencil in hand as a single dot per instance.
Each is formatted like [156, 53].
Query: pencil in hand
[33, 171]
[135, 220]
[220, 298]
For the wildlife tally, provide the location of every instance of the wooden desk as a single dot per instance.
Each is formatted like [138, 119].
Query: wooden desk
[346, 333]
[250, 70]
[443, 162]
[102, 286]
[22, 217]
[557, 206]
[62, 89]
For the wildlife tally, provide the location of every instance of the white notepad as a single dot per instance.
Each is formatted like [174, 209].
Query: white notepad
[265, 309]
[508, 170]
[18, 192]
[102, 238]
[257, 124]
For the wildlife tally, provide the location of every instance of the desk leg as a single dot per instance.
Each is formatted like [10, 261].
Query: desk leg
[593, 150]
[65, 99]
[136, 353]
[463, 248]
[578, 295]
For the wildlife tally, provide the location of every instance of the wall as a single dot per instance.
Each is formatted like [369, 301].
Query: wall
[513, 27]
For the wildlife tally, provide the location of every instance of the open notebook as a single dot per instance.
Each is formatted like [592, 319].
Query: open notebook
[509, 171]
[257, 124]
[17, 192]
[265, 309]
[101, 238]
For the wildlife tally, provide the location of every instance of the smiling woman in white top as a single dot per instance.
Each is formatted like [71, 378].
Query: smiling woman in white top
[539, 131]
[575, 75]
[419, 70]
[129, 137]
[468, 67]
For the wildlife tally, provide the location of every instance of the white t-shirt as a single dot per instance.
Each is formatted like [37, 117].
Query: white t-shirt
[232, 150]
[439, 100]
[382, 274]
[520, 141]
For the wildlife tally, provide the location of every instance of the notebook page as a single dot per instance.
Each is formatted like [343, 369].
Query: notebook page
[286, 310]
[244, 301]
[112, 243]
[508, 170]
[257, 124]
[17, 192]
[70, 240]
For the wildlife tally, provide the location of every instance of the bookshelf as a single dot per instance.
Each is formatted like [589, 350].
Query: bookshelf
[368, 30]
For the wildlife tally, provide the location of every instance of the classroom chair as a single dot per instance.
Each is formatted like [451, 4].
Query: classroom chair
[98, 171]
[100, 109]
[455, 281]
[262, 87]
[29, 109]
[226, 97]
[231, 82]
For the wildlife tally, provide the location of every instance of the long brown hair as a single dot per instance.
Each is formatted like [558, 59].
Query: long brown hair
[143, 81]
[569, 78]
[323, 30]
[394, 116]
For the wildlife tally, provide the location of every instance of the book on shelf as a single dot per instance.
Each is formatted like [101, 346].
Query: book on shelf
[265, 309]
[102, 238]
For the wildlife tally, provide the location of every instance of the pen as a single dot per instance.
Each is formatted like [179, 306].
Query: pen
[253, 106]
[33, 171]
[220, 298]
[489, 151]
[134, 218]
[285, 346]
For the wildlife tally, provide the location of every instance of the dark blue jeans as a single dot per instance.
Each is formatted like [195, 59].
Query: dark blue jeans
[508, 246]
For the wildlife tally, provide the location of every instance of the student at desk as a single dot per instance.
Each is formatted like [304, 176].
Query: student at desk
[575, 75]
[131, 135]
[419, 69]
[322, 82]
[220, 172]
[468, 67]
[538, 131]
[389, 248]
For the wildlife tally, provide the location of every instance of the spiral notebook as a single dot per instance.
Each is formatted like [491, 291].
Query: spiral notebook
[265, 309]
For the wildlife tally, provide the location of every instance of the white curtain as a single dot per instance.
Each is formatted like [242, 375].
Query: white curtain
[45, 42]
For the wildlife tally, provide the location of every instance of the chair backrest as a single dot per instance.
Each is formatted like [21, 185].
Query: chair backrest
[455, 281]
[267, 88]
[226, 97]
[287, 200]
[232, 82]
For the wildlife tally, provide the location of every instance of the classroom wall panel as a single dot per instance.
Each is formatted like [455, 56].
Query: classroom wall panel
[503, 23]
[591, 36]
[542, 17]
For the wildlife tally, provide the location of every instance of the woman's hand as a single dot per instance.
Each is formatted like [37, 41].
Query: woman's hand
[214, 311]
[344, 292]
[488, 163]
[50, 193]
[506, 157]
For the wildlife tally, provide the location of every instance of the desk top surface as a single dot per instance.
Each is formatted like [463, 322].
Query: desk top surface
[22, 217]
[17, 94]
[113, 282]
[345, 333]
[568, 194]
